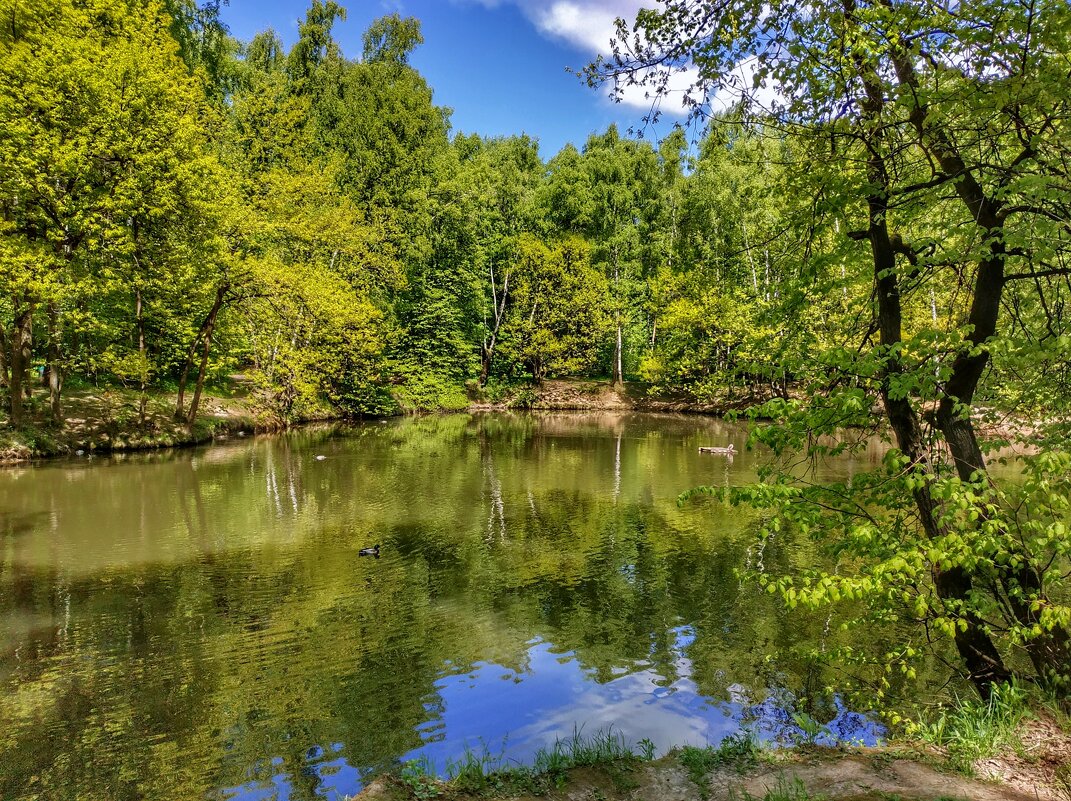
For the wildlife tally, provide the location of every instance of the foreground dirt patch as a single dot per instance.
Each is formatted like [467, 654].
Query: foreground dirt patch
[1043, 761]
[865, 775]
[876, 776]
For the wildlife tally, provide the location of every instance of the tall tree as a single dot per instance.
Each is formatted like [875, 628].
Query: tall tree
[608, 194]
[910, 115]
[559, 318]
[101, 128]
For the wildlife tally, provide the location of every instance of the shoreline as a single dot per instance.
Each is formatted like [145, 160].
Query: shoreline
[102, 422]
[741, 770]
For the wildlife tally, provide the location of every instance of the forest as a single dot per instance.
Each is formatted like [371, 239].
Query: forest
[883, 246]
[180, 206]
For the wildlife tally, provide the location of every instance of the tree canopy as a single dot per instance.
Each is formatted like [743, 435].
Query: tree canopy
[934, 140]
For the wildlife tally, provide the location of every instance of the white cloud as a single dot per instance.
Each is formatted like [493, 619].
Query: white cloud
[586, 24]
[589, 27]
[677, 87]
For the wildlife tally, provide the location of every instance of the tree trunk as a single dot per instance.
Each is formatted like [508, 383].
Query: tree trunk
[21, 354]
[954, 586]
[617, 377]
[196, 402]
[184, 377]
[55, 369]
[1050, 651]
[206, 327]
[142, 358]
[487, 350]
[5, 360]
[487, 354]
[210, 325]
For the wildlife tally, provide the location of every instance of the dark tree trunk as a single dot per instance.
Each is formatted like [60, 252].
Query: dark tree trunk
[1023, 583]
[209, 327]
[196, 402]
[1050, 651]
[487, 355]
[139, 315]
[180, 401]
[21, 354]
[954, 586]
[205, 331]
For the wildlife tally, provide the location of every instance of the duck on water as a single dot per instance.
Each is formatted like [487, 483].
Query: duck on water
[373, 551]
[727, 451]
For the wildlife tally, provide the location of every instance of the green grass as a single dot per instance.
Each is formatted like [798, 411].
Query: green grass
[480, 773]
[739, 752]
[972, 729]
[419, 776]
[786, 790]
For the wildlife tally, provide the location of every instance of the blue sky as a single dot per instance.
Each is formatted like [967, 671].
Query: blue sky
[499, 64]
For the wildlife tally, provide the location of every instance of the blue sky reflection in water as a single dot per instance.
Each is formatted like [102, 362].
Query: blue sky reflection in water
[511, 714]
[220, 635]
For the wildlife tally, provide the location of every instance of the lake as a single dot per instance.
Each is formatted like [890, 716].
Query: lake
[201, 624]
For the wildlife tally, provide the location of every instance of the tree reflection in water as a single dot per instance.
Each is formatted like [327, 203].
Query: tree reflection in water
[200, 622]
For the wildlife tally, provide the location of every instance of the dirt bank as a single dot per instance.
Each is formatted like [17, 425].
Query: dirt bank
[873, 774]
[102, 421]
[581, 394]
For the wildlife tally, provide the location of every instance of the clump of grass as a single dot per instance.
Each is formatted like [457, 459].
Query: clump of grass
[739, 752]
[971, 729]
[419, 776]
[604, 749]
[785, 790]
[601, 748]
[480, 773]
[473, 772]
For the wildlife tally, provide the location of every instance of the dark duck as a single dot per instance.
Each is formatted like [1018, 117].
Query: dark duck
[373, 551]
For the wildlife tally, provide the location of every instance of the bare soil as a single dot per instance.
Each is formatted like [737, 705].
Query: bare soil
[581, 394]
[1041, 759]
[872, 775]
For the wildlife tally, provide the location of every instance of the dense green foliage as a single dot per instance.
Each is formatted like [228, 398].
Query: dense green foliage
[928, 146]
[179, 206]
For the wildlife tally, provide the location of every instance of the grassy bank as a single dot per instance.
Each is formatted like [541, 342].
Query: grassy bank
[111, 419]
[102, 420]
[1010, 748]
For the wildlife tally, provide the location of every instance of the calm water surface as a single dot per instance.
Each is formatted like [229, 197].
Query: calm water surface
[199, 624]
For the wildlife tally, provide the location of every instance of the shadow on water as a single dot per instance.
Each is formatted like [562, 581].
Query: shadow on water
[204, 623]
